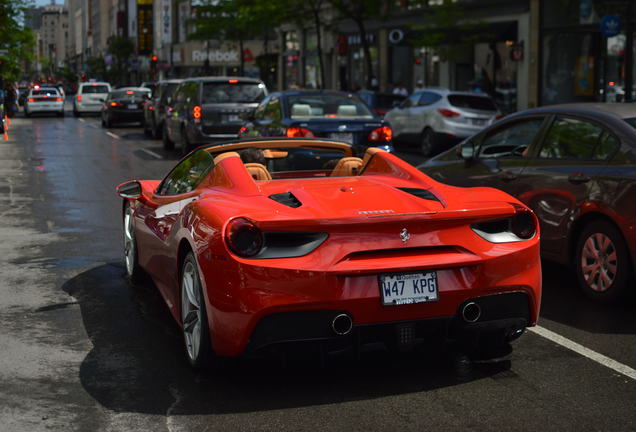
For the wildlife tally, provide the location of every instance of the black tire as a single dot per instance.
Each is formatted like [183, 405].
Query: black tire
[602, 241]
[147, 131]
[60, 114]
[131, 260]
[186, 147]
[167, 144]
[27, 113]
[76, 113]
[197, 343]
[108, 123]
[428, 142]
[155, 130]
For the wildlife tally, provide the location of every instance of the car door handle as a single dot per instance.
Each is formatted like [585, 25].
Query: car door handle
[508, 176]
[579, 178]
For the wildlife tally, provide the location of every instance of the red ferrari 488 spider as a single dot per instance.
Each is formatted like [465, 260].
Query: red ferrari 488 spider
[259, 243]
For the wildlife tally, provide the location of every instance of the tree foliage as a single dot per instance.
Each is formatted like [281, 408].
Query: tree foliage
[19, 42]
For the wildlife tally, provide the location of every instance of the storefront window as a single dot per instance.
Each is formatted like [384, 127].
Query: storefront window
[291, 60]
[557, 13]
[569, 69]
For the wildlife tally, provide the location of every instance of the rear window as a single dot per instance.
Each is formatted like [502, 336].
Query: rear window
[631, 121]
[327, 106]
[129, 94]
[472, 102]
[226, 92]
[94, 89]
[44, 92]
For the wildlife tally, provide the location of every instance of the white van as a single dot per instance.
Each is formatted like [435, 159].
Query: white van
[90, 97]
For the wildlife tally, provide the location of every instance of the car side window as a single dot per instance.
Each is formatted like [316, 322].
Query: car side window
[259, 112]
[428, 98]
[570, 138]
[186, 176]
[273, 110]
[512, 139]
[411, 101]
[607, 145]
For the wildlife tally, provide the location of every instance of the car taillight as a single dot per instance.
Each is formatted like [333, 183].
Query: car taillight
[448, 113]
[79, 97]
[196, 113]
[150, 107]
[379, 111]
[58, 99]
[31, 100]
[242, 130]
[243, 237]
[298, 132]
[522, 224]
[383, 133]
[115, 104]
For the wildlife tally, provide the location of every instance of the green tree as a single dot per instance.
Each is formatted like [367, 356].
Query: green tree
[121, 48]
[16, 41]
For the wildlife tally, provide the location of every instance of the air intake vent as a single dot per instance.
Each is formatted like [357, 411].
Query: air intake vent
[286, 198]
[421, 193]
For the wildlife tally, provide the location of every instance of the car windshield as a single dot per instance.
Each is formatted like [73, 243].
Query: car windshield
[232, 92]
[44, 92]
[327, 106]
[631, 121]
[94, 88]
[129, 94]
[472, 102]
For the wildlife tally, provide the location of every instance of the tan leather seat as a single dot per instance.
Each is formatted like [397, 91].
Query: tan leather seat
[347, 166]
[258, 171]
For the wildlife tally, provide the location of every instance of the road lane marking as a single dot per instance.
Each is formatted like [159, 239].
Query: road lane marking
[585, 352]
[110, 134]
[82, 120]
[151, 153]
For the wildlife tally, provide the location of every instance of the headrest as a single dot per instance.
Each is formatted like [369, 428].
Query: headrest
[347, 111]
[301, 110]
[258, 171]
[222, 156]
[347, 166]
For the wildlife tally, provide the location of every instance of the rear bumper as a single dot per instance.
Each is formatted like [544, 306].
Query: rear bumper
[126, 115]
[45, 107]
[198, 137]
[86, 107]
[506, 314]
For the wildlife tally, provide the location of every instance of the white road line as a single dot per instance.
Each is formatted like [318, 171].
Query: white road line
[112, 135]
[82, 120]
[151, 153]
[585, 352]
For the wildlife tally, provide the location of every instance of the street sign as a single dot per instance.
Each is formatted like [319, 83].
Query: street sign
[610, 25]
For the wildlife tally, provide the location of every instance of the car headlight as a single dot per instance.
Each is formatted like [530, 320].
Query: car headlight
[519, 227]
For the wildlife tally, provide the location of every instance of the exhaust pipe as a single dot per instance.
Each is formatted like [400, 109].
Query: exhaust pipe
[342, 324]
[471, 312]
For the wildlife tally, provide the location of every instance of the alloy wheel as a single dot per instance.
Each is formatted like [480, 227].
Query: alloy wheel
[599, 262]
[129, 242]
[191, 310]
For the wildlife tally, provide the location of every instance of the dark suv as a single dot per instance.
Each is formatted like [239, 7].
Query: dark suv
[155, 109]
[204, 110]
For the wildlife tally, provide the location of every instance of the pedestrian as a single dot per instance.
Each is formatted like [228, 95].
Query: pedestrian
[399, 89]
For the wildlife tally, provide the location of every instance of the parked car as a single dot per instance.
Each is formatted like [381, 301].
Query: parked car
[44, 100]
[381, 103]
[265, 243]
[90, 97]
[204, 110]
[575, 166]
[124, 105]
[435, 119]
[324, 114]
[155, 108]
[149, 85]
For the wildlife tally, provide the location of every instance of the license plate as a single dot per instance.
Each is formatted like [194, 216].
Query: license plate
[132, 106]
[233, 117]
[408, 288]
[344, 137]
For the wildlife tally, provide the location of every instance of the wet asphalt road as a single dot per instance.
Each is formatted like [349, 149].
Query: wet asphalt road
[81, 349]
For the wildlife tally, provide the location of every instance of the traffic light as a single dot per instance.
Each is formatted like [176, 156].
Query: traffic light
[153, 64]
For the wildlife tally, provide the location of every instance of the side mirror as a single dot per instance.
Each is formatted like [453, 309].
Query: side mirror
[467, 150]
[129, 190]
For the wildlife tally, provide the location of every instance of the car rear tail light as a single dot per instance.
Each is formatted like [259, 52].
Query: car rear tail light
[31, 100]
[233, 81]
[115, 104]
[500, 116]
[243, 237]
[196, 114]
[448, 113]
[58, 99]
[380, 112]
[519, 227]
[298, 132]
[79, 97]
[242, 130]
[523, 224]
[382, 134]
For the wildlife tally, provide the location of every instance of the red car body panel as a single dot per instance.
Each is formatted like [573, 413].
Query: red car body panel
[362, 215]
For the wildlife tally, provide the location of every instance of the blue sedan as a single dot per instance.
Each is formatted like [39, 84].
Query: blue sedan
[325, 114]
